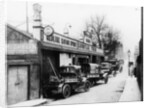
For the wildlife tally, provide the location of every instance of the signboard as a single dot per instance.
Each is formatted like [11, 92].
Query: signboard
[87, 40]
[48, 30]
[58, 39]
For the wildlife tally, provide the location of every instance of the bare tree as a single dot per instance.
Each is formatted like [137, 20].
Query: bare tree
[106, 36]
[95, 27]
[112, 42]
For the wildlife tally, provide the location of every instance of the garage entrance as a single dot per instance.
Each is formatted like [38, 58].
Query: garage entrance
[17, 84]
[49, 58]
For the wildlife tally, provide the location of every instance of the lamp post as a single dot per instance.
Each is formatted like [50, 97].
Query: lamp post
[129, 53]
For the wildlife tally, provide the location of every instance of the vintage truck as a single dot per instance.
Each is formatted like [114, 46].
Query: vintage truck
[69, 79]
[93, 73]
[114, 66]
[106, 67]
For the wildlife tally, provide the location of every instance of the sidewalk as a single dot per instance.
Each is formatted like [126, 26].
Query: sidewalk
[131, 91]
[30, 103]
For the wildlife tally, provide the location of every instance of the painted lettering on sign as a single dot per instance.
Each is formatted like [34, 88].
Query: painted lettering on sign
[68, 42]
[54, 39]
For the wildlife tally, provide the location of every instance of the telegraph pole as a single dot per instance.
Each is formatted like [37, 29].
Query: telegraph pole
[129, 62]
[27, 19]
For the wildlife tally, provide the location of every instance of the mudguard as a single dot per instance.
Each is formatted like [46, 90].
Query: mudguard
[60, 86]
[84, 79]
[105, 75]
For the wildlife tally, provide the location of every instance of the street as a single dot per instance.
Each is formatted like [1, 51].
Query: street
[110, 92]
[121, 88]
[64, 53]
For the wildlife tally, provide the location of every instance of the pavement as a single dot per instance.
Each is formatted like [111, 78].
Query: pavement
[30, 103]
[131, 91]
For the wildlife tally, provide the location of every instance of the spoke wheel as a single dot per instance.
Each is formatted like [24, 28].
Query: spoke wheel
[87, 86]
[66, 91]
[106, 80]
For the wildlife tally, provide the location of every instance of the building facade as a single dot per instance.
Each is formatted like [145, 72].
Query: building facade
[31, 58]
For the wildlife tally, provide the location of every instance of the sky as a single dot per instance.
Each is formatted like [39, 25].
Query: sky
[59, 15]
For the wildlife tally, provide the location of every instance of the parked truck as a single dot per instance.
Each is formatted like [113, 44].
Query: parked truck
[69, 79]
[93, 73]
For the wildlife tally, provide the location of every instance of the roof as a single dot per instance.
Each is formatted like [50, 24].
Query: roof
[55, 47]
[50, 46]
[29, 35]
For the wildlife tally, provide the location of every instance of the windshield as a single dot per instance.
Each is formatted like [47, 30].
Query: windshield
[68, 72]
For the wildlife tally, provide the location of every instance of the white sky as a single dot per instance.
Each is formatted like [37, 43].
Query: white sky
[125, 19]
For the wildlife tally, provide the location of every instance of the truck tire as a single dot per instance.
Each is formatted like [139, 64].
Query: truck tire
[106, 80]
[91, 83]
[115, 73]
[87, 86]
[95, 82]
[66, 91]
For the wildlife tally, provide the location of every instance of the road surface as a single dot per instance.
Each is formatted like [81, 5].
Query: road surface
[110, 92]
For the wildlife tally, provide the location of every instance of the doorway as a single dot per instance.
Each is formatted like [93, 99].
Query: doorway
[17, 84]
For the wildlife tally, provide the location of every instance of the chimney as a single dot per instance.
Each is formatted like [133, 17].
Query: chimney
[37, 22]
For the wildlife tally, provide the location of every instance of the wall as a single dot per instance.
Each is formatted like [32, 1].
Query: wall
[34, 81]
[22, 50]
[19, 43]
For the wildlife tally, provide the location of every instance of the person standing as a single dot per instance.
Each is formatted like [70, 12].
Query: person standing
[131, 68]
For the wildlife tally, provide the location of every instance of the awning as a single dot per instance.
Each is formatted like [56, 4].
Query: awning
[55, 47]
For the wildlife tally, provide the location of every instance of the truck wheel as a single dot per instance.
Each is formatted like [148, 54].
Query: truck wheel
[91, 83]
[106, 80]
[66, 92]
[115, 73]
[87, 86]
[95, 82]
